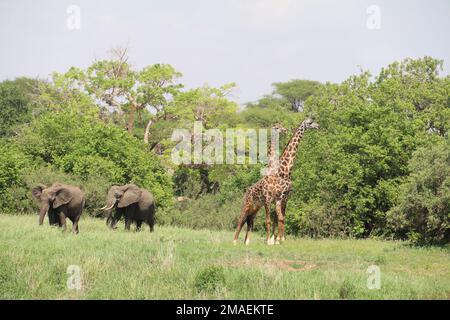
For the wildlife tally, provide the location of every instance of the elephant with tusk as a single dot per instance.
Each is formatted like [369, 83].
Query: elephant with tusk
[59, 201]
[133, 203]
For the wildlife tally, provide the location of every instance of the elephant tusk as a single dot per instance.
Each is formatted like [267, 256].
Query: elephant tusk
[110, 207]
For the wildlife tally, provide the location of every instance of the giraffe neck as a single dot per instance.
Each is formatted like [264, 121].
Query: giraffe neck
[272, 157]
[290, 152]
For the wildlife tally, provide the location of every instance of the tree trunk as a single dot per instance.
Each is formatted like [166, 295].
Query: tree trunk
[147, 131]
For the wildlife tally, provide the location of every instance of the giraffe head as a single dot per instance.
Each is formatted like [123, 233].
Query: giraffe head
[309, 123]
[278, 127]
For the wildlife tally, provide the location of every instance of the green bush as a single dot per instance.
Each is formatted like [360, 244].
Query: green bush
[89, 149]
[17, 198]
[347, 174]
[209, 279]
[14, 164]
[207, 212]
[16, 103]
[423, 212]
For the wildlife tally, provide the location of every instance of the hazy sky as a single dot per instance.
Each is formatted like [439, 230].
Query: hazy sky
[251, 42]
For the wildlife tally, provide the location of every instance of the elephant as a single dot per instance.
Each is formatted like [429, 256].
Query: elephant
[134, 203]
[60, 201]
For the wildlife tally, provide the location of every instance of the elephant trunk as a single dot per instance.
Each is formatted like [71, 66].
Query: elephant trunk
[42, 213]
[108, 209]
[109, 218]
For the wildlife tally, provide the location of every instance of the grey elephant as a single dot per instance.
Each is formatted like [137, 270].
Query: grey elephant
[60, 201]
[133, 203]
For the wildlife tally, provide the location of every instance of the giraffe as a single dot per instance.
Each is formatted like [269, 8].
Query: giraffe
[272, 188]
[273, 158]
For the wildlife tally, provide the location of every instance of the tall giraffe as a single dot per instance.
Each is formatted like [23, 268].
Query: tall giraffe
[272, 188]
[273, 159]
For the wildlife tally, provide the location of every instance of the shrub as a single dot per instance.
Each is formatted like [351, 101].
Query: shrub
[88, 149]
[17, 198]
[423, 212]
[209, 279]
[13, 166]
[207, 212]
[347, 174]
[16, 103]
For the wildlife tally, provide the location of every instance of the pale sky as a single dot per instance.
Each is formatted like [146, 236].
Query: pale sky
[251, 42]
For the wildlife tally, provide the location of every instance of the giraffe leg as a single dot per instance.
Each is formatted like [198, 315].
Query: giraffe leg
[283, 211]
[274, 225]
[250, 220]
[268, 240]
[280, 221]
[242, 220]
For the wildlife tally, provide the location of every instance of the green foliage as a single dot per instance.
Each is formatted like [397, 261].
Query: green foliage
[209, 279]
[423, 211]
[16, 103]
[356, 176]
[349, 171]
[94, 188]
[114, 84]
[207, 212]
[206, 104]
[89, 148]
[60, 96]
[187, 182]
[266, 117]
[13, 166]
[346, 290]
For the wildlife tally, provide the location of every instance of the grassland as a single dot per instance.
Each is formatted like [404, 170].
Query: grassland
[165, 265]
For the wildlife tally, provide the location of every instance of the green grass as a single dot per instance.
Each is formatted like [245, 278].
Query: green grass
[168, 264]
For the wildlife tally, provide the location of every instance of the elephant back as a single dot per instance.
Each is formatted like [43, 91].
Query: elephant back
[77, 196]
[147, 199]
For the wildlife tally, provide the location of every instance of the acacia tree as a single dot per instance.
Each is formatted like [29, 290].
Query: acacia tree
[116, 86]
[206, 104]
[296, 92]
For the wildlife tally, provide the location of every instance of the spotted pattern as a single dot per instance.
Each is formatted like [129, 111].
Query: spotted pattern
[272, 188]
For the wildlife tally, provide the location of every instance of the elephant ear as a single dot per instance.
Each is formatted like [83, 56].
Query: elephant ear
[62, 196]
[37, 191]
[132, 195]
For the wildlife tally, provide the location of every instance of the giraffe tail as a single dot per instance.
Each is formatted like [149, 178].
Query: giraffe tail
[241, 222]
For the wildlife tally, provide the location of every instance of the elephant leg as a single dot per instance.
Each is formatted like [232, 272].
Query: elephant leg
[75, 225]
[53, 218]
[114, 218]
[151, 224]
[62, 220]
[127, 224]
[138, 225]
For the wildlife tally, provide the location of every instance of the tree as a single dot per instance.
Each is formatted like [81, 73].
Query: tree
[118, 87]
[415, 88]
[348, 174]
[296, 92]
[88, 148]
[206, 104]
[17, 101]
[423, 211]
